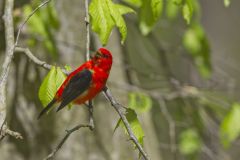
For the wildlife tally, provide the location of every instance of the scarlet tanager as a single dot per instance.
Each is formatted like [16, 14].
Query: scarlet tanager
[85, 82]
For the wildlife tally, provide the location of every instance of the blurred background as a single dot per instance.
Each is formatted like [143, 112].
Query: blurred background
[182, 80]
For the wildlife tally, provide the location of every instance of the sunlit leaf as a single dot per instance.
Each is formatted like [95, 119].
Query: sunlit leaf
[118, 19]
[105, 15]
[124, 9]
[187, 11]
[139, 102]
[136, 3]
[50, 85]
[190, 142]
[230, 128]
[134, 124]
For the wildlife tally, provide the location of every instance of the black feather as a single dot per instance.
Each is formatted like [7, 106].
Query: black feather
[76, 86]
[47, 108]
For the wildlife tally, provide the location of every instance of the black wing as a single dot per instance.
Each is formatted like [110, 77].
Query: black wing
[47, 108]
[76, 86]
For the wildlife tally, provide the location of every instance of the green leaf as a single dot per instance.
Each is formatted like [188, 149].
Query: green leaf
[172, 9]
[190, 142]
[227, 3]
[187, 11]
[230, 128]
[118, 19]
[149, 15]
[136, 3]
[105, 15]
[134, 124]
[156, 6]
[139, 102]
[50, 85]
[196, 43]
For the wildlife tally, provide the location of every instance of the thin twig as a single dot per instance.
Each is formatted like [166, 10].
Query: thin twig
[2, 135]
[90, 110]
[60, 144]
[171, 123]
[117, 106]
[27, 18]
[5, 131]
[87, 31]
[90, 104]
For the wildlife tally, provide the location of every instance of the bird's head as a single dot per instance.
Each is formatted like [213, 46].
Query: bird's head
[103, 59]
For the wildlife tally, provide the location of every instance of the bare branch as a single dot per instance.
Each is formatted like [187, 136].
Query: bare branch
[27, 18]
[5, 131]
[87, 31]
[60, 144]
[90, 105]
[90, 110]
[9, 34]
[171, 123]
[30, 55]
[117, 106]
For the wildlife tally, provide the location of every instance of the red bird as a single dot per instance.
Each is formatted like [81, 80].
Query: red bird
[85, 82]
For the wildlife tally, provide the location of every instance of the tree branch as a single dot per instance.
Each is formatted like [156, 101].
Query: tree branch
[87, 31]
[90, 104]
[5, 131]
[9, 34]
[60, 144]
[30, 55]
[117, 106]
[171, 124]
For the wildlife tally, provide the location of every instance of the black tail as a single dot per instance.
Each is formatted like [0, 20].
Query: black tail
[47, 108]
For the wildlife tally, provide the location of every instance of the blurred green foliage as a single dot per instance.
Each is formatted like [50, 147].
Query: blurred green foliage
[190, 142]
[139, 102]
[226, 3]
[42, 25]
[230, 128]
[196, 43]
